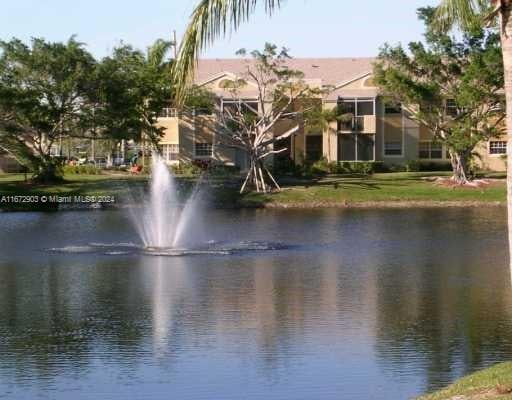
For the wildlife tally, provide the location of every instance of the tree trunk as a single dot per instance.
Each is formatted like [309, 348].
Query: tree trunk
[48, 170]
[256, 177]
[93, 150]
[123, 150]
[460, 162]
[506, 44]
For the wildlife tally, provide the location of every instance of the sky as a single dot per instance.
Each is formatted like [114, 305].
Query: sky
[309, 28]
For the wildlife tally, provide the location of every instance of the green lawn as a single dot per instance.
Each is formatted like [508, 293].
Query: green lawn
[390, 188]
[118, 186]
[490, 383]
[74, 184]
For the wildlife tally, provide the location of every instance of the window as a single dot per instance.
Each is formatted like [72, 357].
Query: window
[357, 108]
[347, 147]
[393, 135]
[424, 151]
[356, 147]
[171, 151]
[393, 148]
[364, 147]
[314, 147]
[436, 150]
[168, 112]
[364, 108]
[498, 147]
[246, 106]
[203, 149]
[451, 108]
[393, 108]
[430, 150]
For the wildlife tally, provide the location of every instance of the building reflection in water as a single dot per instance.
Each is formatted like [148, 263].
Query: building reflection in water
[412, 298]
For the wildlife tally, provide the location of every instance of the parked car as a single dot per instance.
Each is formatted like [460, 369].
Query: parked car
[100, 162]
[118, 161]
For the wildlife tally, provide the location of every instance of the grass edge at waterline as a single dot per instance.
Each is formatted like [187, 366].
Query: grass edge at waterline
[491, 383]
[388, 190]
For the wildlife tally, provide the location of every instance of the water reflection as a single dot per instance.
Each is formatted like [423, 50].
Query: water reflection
[407, 300]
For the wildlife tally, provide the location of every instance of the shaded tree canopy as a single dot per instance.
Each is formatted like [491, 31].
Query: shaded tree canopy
[50, 91]
[454, 87]
[44, 92]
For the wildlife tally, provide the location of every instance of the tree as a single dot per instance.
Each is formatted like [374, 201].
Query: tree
[209, 21]
[131, 89]
[454, 88]
[51, 91]
[44, 89]
[467, 14]
[251, 127]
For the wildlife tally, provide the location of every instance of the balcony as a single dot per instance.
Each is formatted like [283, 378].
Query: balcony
[363, 124]
[168, 113]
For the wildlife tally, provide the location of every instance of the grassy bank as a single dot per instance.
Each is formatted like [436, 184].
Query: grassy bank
[118, 186]
[381, 188]
[392, 189]
[490, 383]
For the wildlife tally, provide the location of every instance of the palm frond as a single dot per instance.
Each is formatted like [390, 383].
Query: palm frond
[465, 14]
[157, 52]
[210, 20]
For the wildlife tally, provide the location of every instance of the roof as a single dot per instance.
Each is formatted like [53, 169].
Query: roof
[330, 71]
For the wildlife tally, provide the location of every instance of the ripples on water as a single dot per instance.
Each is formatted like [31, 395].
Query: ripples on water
[323, 304]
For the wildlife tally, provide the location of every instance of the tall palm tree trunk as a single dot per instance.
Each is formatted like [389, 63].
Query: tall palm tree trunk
[506, 44]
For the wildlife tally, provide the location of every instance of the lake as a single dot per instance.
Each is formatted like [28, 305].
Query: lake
[336, 304]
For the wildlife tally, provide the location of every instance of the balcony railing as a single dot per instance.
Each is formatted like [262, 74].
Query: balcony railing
[355, 124]
[168, 113]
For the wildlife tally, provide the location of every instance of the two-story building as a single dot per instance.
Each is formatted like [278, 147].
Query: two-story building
[377, 131]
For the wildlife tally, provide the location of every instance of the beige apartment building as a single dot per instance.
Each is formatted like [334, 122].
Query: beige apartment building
[377, 131]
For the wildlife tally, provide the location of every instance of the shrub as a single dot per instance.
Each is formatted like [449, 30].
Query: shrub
[435, 166]
[286, 166]
[186, 168]
[412, 166]
[224, 170]
[320, 167]
[363, 167]
[395, 168]
[87, 169]
[359, 167]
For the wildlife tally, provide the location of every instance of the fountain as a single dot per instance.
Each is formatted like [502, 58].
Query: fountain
[162, 222]
[168, 227]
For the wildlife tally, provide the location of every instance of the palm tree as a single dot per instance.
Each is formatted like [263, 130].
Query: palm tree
[465, 14]
[210, 20]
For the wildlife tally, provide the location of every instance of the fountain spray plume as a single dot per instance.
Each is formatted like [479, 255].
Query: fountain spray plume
[162, 222]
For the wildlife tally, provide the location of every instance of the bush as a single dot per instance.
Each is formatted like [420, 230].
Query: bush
[435, 166]
[286, 166]
[393, 168]
[359, 167]
[321, 167]
[87, 169]
[186, 168]
[412, 166]
[224, 170]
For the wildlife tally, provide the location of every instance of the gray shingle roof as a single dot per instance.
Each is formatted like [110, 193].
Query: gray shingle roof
[331, 71]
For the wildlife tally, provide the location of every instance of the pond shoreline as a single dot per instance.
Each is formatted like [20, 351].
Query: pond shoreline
[387, 204]
[399, 204]
[378, 191]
